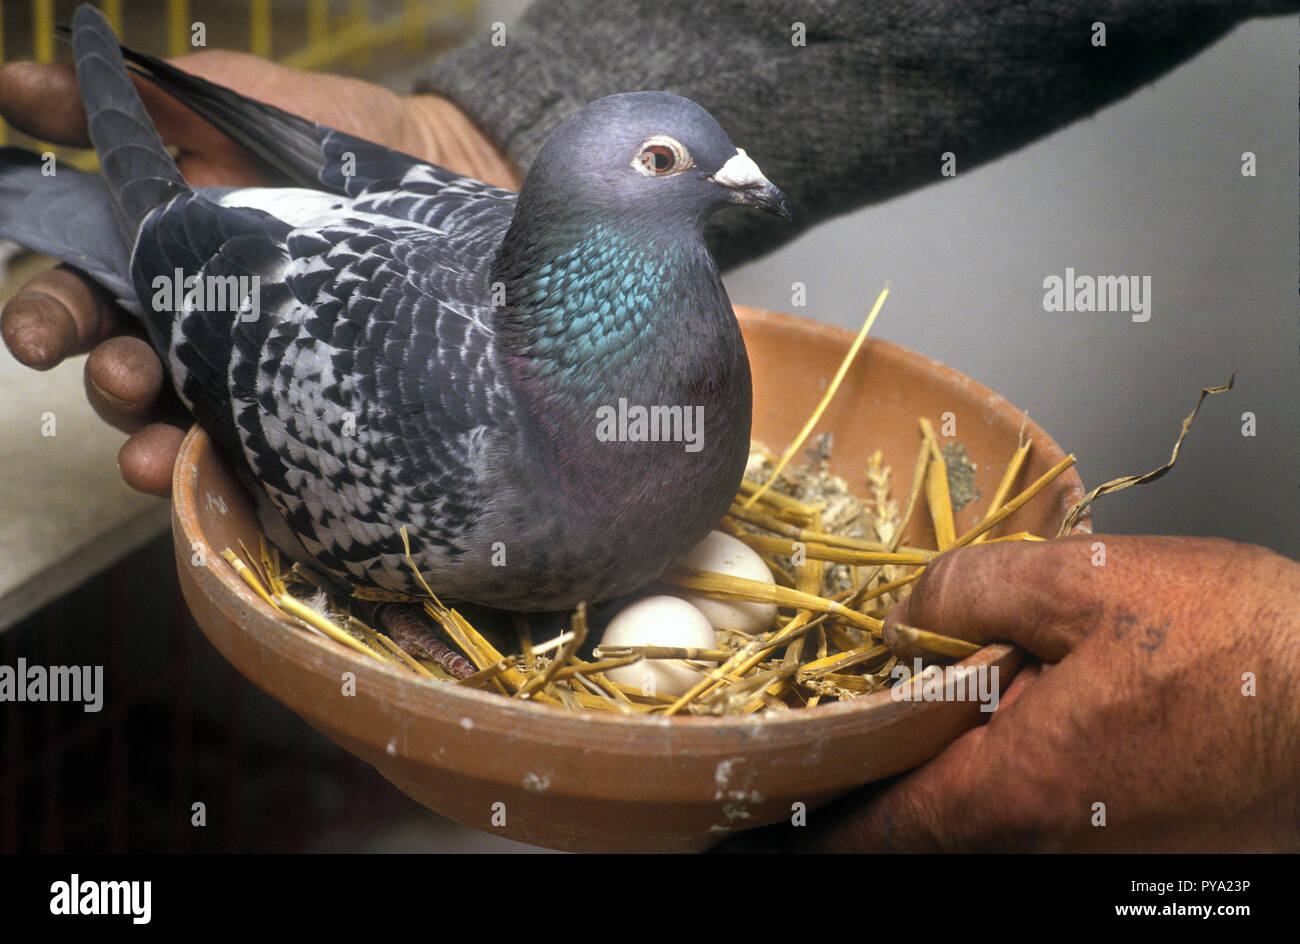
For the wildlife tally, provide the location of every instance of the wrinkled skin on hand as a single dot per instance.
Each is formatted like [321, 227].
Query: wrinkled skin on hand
[1135, 699]
[59, 313]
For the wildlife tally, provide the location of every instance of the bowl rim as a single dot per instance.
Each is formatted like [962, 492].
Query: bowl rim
[234, 598]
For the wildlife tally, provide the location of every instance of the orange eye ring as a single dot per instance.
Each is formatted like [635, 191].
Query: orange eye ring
[659, 159]
[662, 156]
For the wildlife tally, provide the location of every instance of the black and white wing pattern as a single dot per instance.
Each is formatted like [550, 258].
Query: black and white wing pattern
[334, 334]
[359, 382]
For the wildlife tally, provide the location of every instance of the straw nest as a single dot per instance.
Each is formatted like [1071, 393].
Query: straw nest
[836, 558]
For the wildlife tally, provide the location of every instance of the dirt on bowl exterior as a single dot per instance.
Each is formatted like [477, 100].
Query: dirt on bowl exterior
[597, 782]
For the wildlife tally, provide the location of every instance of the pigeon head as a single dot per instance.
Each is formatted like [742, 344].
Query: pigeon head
[648, 154]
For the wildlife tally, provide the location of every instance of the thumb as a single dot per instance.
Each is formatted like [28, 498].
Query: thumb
[1045, 596]
[1137, 712]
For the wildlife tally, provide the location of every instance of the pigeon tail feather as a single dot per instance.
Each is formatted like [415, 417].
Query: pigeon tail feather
[299, 152]
[141, 175]
[287, 144]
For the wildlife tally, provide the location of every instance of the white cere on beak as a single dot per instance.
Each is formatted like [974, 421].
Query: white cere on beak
[739, 171]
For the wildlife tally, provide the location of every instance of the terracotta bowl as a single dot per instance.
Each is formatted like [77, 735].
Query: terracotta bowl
[585, 781]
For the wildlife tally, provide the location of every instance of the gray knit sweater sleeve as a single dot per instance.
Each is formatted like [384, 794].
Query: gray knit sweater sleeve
[841, 103]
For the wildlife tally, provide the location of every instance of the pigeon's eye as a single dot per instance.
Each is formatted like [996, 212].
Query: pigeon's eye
[662, 156]
[658, 158]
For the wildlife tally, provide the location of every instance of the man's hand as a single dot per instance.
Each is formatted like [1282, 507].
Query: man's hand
[59, 313]
[1168, 690]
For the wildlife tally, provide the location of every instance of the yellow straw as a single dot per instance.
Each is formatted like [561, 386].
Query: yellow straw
[826, 400]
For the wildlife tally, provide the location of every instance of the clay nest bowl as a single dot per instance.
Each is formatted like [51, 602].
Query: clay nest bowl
[596, 781]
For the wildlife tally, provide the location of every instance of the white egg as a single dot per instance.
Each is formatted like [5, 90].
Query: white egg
[658, 621]
[723, 554]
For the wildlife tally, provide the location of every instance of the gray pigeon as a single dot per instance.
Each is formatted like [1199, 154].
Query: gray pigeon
[549, 390]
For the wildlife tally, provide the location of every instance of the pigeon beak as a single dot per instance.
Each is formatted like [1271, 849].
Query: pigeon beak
[747, 185]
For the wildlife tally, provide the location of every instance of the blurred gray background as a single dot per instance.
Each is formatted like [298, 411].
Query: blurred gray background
[1149, 186]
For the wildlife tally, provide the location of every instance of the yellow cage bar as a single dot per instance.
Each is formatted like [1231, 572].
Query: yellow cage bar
[178, 27]
[259, 28]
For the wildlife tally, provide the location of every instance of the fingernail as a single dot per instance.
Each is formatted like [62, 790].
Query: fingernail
[107, 397]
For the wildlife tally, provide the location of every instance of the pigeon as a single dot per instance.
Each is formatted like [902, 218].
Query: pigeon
[546, 392]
